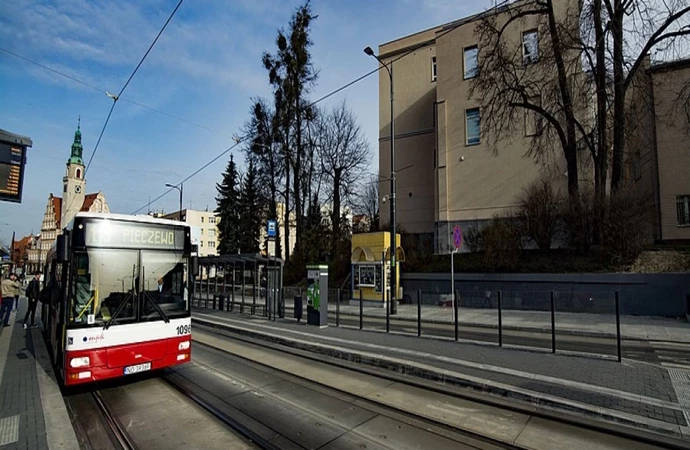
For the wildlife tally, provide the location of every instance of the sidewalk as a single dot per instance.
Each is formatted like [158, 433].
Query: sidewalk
[633, 394]
[578, 324]
[32, 411]
[582, 324]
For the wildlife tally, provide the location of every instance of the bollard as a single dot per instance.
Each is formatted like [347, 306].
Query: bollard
[298, 308]
[500, 319]
[553, 323]
[618, 329]
[221, 302]
[361, 309]
[337, 308]
[455, 313]
[419, 312]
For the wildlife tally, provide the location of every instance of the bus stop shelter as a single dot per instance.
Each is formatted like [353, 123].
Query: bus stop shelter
[244, 281]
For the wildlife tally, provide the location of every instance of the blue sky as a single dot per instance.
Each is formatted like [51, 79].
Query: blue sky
[205, 68]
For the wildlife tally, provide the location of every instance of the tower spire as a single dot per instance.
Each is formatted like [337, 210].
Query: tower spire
[77, 149]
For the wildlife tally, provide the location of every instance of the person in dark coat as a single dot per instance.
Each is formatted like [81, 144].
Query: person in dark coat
[33, 291]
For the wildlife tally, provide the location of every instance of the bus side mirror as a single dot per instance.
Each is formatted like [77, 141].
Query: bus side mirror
[61, 253]
[195, 266]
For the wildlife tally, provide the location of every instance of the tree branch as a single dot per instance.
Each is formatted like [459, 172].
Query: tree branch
[658, 36]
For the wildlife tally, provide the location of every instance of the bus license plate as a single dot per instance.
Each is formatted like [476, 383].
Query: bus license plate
[138, 368]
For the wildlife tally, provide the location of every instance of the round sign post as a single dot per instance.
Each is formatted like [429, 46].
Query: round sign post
[457, 241]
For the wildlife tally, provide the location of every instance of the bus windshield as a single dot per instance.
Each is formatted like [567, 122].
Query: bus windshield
[114, 286]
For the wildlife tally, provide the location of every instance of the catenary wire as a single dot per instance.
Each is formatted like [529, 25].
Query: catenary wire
[115, 97]
[320, 99]
[100, 90]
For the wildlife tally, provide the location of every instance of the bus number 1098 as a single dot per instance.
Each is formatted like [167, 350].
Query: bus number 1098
[184, 329]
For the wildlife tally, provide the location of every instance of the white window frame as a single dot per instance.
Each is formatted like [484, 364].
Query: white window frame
[434, 73]
[528, 58]
[467, 136]
[464, 62]
[683, 210]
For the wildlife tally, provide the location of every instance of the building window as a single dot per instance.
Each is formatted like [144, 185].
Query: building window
[471, 61]
[78, 173]
[472, 129]
[202, 231]
[201, 243]
[212, 219]
[530, 47]
[683, 210]
[202, 219]
[212, 244]
[211, 232]
[433, 68]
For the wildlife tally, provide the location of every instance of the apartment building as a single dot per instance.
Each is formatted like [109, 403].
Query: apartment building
[206, 222]
[658, 155]
[446, 173]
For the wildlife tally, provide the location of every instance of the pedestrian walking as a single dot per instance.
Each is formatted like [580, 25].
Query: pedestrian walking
[9, 288]
[33, 291]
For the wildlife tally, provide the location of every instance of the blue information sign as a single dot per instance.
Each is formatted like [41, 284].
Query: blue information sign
[271, 228]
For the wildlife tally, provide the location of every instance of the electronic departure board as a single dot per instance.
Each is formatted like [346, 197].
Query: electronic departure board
[12, 162]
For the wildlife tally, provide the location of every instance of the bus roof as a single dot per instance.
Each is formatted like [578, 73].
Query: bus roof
[143, 218]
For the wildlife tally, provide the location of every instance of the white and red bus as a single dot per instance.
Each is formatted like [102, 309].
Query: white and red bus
[117, 296]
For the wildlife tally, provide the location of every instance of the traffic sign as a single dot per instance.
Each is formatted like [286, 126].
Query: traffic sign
[457, 236]
[271, 228]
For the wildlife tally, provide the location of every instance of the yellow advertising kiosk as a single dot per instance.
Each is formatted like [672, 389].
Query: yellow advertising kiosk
[370, 259]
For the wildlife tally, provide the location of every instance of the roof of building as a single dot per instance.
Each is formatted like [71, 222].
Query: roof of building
[57, 207]
[88, 201]
[669, 66]
[85, 206]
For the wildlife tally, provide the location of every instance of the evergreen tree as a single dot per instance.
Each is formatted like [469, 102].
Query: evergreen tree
[228, 209]
[251, 211]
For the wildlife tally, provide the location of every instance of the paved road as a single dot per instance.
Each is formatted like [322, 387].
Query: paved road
[666, 354]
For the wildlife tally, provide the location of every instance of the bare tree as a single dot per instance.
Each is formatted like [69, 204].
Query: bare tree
[638, 27]
[539, 213]
[530, 78]
[367, 200]
[344, 154]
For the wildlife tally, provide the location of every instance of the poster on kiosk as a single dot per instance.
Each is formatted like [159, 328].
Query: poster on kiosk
[317, 295]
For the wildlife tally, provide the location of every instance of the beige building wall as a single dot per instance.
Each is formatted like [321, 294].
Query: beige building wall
[673, 150]
[441, 179]
[207, 223]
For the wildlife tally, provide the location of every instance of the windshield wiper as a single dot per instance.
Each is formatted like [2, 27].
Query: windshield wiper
[122, 303]
[153, 303]
[117, 312]
[156, 307]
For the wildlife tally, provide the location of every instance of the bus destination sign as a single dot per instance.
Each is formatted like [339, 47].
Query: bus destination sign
[110, 233]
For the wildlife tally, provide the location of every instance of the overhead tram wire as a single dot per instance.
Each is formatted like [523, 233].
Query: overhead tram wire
[200, 169]
[103, 91]
[451, 27]
[116, 97]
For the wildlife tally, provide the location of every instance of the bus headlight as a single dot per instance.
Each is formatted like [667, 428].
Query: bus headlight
[183, 345]
[83, 361]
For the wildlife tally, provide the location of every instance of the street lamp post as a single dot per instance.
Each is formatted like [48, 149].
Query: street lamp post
[179, 188]
[394, 242]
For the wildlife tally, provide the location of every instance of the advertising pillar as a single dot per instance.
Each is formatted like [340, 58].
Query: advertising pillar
[317, 295]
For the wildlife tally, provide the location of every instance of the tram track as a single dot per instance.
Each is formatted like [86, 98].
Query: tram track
[583, 427]
[234, 424]
[95, 424]
[122, 438]
[464, 438]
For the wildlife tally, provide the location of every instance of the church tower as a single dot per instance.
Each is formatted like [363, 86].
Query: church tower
[73, 183]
